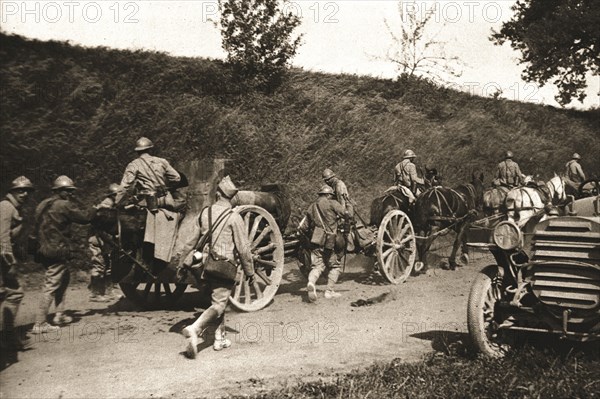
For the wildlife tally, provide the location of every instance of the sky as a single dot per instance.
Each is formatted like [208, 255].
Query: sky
[341, 36]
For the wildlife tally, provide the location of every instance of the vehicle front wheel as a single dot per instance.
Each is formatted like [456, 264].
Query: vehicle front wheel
[481, 314]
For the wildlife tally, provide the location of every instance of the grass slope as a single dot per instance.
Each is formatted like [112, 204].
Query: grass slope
[74, 110]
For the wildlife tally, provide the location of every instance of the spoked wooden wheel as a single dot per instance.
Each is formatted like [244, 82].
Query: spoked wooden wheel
[153, 295]
[266, 244]
[482, 320]
[396, 246]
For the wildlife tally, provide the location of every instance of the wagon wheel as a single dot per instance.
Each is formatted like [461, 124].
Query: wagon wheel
[482, 318]
[154, 294]
[396, 246]
[266, 244]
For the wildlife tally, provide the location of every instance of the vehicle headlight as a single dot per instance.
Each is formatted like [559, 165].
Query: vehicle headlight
[507, 235]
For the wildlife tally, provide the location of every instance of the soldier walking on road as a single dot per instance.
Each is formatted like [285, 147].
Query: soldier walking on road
[11, 293]
[324, 214]
[54, 217]
[228, 237]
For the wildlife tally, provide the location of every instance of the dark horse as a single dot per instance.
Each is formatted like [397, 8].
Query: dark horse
[394, 198]
[442, 207]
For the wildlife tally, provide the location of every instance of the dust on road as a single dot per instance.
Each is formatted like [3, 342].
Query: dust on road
[117, 351]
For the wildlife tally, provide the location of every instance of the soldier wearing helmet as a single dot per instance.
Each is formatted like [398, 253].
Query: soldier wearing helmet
[340, 190]
[406, 177]
[508, 172]
[54, 217]
[229, 241]
[322, 217]
[149, 175]
[101, 287]
[11, 293]
[574, 175]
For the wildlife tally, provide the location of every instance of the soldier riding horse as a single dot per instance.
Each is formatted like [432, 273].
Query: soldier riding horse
[394, 197]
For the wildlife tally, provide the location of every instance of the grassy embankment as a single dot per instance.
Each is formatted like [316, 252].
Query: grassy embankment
[78, 111]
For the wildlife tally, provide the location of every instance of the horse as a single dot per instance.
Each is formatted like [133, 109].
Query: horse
[394, 197]
[523, 203]
[558, 190]
[442, 207]
[493, 200]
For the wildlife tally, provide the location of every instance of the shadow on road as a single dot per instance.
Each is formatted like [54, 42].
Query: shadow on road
[448, 342]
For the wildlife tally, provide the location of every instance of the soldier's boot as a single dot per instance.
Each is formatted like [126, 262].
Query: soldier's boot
[61, 319]
[191, 331]
[113, 291]
[41, 325]
[311, 289]
[97, 290]
[221, 341]
[332, 278]
[192, 347]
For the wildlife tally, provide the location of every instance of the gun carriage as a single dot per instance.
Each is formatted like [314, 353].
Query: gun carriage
[150, 283]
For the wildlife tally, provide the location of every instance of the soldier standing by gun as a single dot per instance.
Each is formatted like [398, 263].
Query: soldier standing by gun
[11, 293]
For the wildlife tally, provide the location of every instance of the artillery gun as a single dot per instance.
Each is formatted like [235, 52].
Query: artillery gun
[151, 283]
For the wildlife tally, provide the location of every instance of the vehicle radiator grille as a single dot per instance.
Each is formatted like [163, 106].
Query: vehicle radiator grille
[567, 273]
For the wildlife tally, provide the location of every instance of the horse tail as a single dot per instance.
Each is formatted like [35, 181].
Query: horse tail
[376, 211]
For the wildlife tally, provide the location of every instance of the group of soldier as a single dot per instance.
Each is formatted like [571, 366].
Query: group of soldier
[54, 217]
[146, 182]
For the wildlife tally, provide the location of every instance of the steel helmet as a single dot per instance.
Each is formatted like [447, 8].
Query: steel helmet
[63, 182]
[143, 143]
[325, 189]
[113, 189]
[409, 154]
[576, 156]
[227, 187]
[328, 174]
[21, 182]
[509, 154]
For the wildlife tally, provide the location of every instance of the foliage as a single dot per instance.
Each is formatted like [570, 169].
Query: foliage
[78, 111]
[257, 36]
[415, 53]
[558, 39]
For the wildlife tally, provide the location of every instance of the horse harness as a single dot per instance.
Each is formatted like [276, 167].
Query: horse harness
[443, 199]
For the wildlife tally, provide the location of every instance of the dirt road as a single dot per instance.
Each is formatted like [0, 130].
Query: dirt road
[117, 351]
